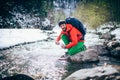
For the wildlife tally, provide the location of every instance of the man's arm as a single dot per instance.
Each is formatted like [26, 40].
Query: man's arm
[58, 38]
[73, 35]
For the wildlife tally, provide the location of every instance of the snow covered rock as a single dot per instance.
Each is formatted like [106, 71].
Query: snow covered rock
[97, 73]
[117, 33]
[107, 36]
[46, 25]
[46, 22]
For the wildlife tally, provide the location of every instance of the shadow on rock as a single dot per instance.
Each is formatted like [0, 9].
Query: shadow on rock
[18, 77]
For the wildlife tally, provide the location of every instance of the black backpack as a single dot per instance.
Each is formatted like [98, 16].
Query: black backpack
[77, 24]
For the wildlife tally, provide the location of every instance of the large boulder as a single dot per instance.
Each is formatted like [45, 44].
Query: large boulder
[90, 55]
[101, 49]
[97, 73]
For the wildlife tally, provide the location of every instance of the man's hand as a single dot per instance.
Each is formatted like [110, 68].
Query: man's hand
[57, 42]
[63, 46]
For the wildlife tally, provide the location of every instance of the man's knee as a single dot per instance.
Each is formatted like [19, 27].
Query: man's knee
[73, 51]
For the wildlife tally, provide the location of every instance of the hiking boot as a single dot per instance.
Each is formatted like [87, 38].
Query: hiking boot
[84, 47]
[65, 55]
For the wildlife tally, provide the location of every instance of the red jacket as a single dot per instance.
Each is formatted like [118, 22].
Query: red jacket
[73, 34]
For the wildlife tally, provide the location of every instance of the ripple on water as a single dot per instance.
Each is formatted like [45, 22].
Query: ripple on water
[32, 60]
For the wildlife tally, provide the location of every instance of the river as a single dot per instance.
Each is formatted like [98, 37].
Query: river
[40, 59]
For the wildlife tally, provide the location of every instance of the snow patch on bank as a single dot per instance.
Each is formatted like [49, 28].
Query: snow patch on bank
[10, 37]
[117, 33]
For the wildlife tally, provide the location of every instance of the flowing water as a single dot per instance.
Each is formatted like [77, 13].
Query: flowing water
[37, 60]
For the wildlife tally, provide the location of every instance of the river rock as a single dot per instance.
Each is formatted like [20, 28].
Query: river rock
[107, 36]
[18, 77]
[101, 49]
[116, 52]
[114, 48]
[90, 55]
[113, 44]
[2, 56]
[97, 73]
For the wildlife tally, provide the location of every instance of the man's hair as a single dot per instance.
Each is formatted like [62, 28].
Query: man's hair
[61, 22]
